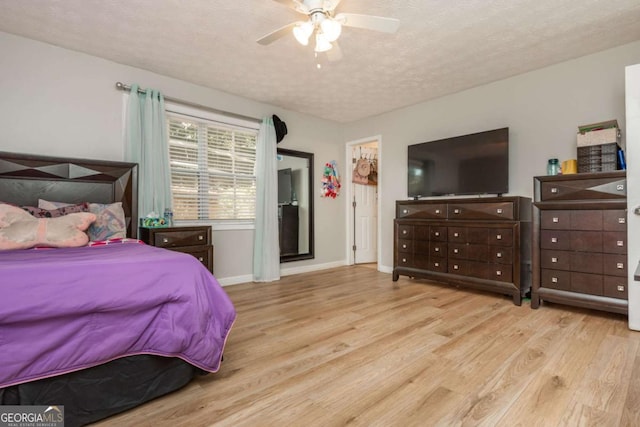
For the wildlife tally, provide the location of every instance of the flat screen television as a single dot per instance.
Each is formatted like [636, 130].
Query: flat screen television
[472, 164]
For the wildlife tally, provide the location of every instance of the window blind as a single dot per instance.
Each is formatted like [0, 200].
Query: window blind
[212, 169]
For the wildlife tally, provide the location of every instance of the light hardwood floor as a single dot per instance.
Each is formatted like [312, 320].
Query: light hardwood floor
[347, 347]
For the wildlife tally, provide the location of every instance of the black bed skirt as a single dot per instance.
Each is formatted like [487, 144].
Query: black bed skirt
[99, 392]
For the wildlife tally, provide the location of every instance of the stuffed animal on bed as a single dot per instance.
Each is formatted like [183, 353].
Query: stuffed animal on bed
[20, 230]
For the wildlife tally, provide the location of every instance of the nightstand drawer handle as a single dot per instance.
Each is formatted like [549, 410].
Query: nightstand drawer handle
[499, 236]
[620, 288]
[437, 211]
[455, 267]
[456, 211]
[555, 219]
[404, 231]
[201, 259]
[455, 251]
[437, 233]
[498, 273]
[620, 265]
[621, 220]
[620, 243]
[499, 254]
[404, 260]
[554, 240]
[404, 246]
[165, 240]
[456, 234]
[554, 190]
[200, 237]
[436, 249]
[554, 259]
[620, 187]
[554, 280]
[405, 211]
[499, 210]
[436, 264]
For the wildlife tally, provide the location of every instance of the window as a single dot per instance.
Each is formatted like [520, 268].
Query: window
[212, 168]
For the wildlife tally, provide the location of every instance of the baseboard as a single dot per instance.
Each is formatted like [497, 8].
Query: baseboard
[385, 269]
[236, 280]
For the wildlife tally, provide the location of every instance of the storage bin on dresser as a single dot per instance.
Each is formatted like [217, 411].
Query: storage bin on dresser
[481, 243]
[580, 241]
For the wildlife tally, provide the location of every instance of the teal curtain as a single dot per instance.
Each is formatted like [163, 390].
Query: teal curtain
[147, 144]
[266, 246]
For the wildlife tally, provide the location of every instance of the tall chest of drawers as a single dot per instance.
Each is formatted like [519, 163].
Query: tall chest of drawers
[580, 241]
[479, 243]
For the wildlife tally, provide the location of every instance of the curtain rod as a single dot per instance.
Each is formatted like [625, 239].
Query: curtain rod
[124, 87]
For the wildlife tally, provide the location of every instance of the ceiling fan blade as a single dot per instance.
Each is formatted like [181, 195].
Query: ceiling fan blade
[335, 53]
[296, 5]
[277, 34]
[331, 5]
[369, 22]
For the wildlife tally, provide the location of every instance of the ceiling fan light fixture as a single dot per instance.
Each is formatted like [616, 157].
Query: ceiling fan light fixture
[331, 29]
[322, 44]
[302, 32]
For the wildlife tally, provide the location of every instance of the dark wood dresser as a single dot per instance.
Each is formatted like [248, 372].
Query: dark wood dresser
[481, 243]
[580, 241]
[194, 240]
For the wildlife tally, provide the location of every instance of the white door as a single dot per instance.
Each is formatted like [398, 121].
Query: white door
[366, 223]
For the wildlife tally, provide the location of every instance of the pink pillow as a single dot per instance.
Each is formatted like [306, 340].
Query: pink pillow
[20, 230]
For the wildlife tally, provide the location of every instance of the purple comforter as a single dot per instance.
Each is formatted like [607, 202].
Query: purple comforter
[63, 310]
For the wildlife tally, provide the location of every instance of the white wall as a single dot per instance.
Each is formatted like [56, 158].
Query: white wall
[542, 109]
[633, 189]
[59, 102]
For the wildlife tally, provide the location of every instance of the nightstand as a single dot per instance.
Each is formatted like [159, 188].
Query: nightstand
[194, 240]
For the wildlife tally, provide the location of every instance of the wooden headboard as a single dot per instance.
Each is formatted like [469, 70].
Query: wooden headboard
[25, 178]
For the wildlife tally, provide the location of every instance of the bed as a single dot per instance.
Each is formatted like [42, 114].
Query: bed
[104, 327]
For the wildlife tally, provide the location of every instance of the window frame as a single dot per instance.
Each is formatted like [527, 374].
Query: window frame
[174, 109]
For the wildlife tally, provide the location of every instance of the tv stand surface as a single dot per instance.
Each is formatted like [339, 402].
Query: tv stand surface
[481, 243]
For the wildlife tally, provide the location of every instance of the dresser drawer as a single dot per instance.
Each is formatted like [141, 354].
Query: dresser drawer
[438, 264]
[501, 236]
[438, 234]
[500, 255]
[500, 210]
[555, 279]
[405, 245]
[204, 254]
[405, 260]
[614, 265]
[614, 242]
[609, 187]
[555, 240]
[615, 287]
[614, 220]
[176, 237]
[555, 220]
[421, 211]
[499, 272]
[555, 260]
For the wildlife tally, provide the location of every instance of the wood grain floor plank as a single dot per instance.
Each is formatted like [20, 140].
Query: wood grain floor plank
[348, 346]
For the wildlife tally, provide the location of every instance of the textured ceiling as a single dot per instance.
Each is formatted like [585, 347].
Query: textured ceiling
[442, 47]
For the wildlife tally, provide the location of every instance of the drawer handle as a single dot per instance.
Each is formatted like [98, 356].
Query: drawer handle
[499, 254]
[404, 231]
[436, 264]
[201, 259]
[455, 251]
[621, 220]
[554, 190]
[437, 211]
[405, 211]
[404, 246]
[554, 280]
[165, 240]
[498, 273]
[499, 210]
[437, 233]
[620, 243]
[499, 237]
[456, 234]
[554, 240]
[620, 265]
[200, 237]
[554, 259]
[455, 267]
[404, 260]
[620, 288]
[555, 219]
[620, 187]
[436, 249]
[456, 211]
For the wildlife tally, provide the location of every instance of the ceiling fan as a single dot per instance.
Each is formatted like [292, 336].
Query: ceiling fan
[325, 25]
